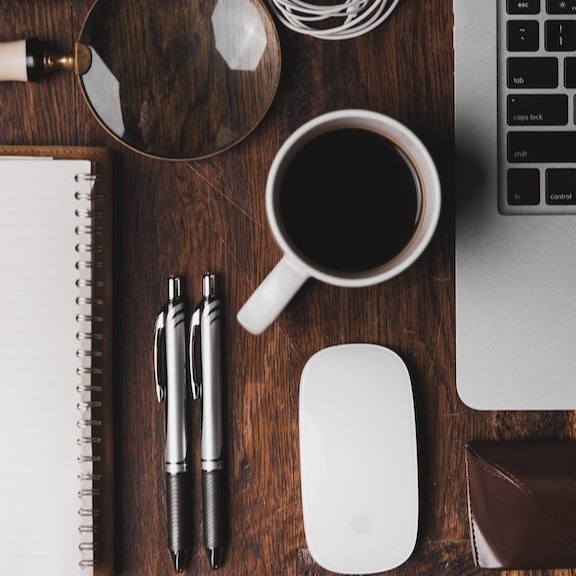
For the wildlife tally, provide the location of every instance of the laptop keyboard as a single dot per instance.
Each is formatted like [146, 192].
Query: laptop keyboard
[537, 106]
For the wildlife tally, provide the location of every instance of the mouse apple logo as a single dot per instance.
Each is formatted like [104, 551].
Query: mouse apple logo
[361, 523]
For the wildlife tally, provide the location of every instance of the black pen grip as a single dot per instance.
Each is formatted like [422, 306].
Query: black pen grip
[179, 507]
[215, 503]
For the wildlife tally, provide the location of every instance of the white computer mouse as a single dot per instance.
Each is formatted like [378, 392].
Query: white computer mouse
[358, 459]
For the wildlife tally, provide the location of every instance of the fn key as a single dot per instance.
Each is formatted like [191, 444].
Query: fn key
[523, 187]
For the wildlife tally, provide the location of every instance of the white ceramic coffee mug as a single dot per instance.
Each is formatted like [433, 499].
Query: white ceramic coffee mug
[296, 266]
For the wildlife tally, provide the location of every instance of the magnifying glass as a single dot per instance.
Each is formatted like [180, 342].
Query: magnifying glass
[179, 79]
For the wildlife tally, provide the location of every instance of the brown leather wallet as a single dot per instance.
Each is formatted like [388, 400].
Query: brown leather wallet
[521, 504]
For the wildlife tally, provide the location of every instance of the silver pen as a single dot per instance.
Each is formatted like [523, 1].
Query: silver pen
[170, 368]
[206, 370]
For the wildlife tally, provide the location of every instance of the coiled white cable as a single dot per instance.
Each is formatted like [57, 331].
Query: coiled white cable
[338, 21]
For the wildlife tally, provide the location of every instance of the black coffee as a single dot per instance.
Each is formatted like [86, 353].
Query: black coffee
[349, 202]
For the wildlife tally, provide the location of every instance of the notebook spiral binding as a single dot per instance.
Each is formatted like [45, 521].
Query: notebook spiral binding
[89, 354]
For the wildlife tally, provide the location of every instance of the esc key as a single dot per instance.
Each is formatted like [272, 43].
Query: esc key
[523, 6]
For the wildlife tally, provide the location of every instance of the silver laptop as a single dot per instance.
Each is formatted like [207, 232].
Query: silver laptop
[515, 100]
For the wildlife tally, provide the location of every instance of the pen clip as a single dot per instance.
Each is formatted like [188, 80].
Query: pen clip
[194, 353]
[159, 356]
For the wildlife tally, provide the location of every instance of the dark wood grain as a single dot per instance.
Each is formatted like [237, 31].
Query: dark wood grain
[189, 217]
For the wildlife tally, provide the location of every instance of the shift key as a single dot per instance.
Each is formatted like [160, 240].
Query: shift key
[541, 147]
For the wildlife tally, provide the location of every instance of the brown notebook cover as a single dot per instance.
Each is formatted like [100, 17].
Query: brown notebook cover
[97, 252]
[521, 502]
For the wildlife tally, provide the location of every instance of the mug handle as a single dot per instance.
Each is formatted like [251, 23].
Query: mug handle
[271, 297]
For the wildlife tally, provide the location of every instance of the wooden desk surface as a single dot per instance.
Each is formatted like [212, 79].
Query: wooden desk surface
[190, 217]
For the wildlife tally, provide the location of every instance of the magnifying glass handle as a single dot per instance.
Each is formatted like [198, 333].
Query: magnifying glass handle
[29, 60]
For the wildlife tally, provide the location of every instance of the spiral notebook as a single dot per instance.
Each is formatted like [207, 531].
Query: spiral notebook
[56, 478]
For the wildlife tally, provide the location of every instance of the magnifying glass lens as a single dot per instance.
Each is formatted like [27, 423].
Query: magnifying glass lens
[182, 79]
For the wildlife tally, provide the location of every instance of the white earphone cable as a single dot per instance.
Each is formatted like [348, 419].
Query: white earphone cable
[352, 17]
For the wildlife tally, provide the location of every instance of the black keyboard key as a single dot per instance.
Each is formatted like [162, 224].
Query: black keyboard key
[561, 6]
[522, 36]
[537, 72]
[560, 35]
[570, 72]
[561, 186]
[523, 6]
[541, 147]
[538, 110]
[523, 187]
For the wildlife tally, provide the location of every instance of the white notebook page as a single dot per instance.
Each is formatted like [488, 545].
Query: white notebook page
[39, 503]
